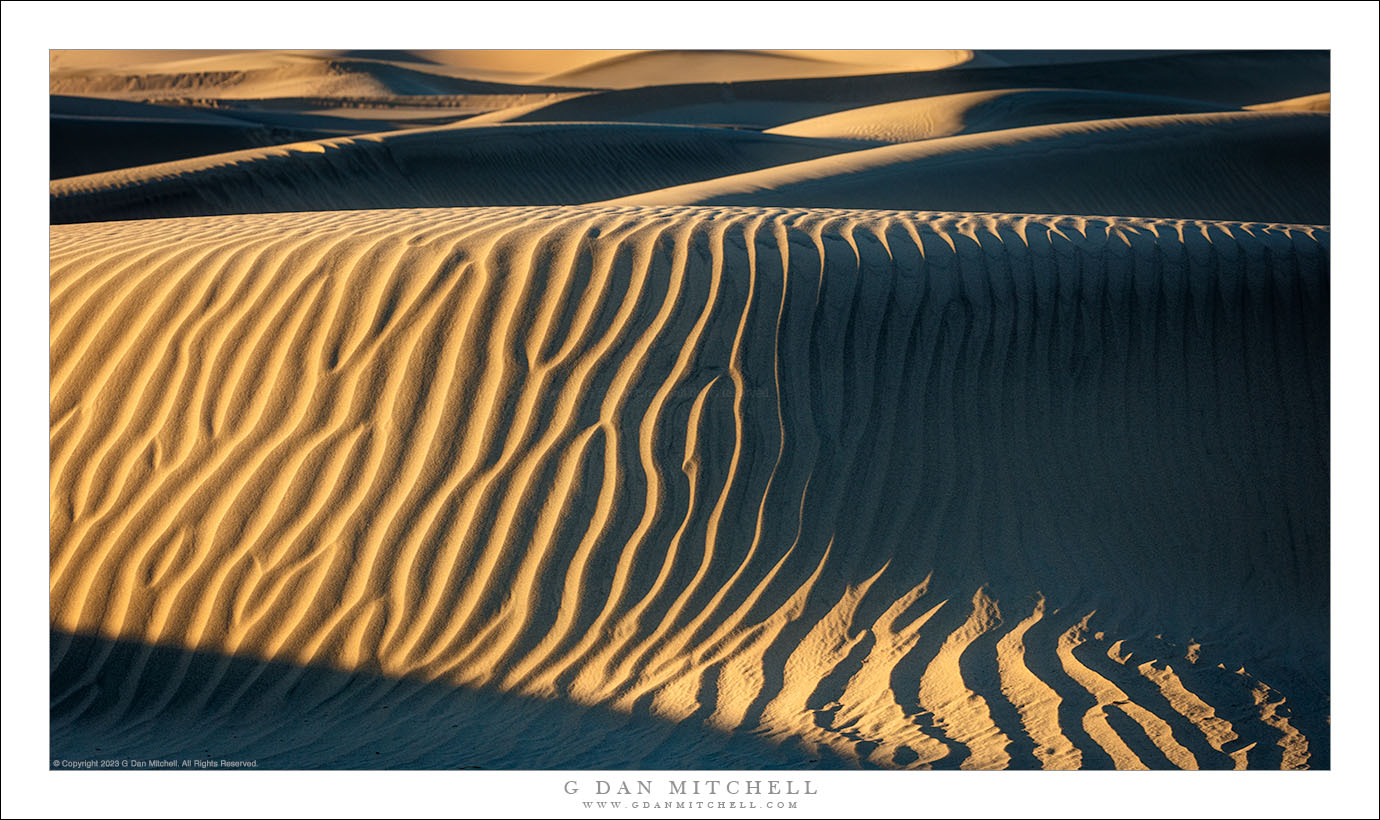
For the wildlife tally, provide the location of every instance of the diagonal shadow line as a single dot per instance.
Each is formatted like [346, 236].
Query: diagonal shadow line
[112, 698]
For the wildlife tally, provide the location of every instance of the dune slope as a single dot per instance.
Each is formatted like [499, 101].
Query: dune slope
[1219, 78]
[429, 167]
[668, 67]
[251, 75]
[872, 488]
[1267, 166]
[90, 135]
[948, 115]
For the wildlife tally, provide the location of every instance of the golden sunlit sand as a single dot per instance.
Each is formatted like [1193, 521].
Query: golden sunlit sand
[779, 431]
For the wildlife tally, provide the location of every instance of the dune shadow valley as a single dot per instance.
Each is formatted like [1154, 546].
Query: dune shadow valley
[647, 410]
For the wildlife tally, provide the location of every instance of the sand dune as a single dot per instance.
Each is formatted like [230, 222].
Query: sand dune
[691, 409]
[676, 486]
[950, 114]
[269, 74]
[508, 165]
[1221, 79]
[113, 110]
[649, 68]
[416, 70]
[90, 135]
[69, 59]
[1268, 166]
[272, 85]
[1259, 165]
[1312, 102]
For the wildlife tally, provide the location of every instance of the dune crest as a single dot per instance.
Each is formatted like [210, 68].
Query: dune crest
[651, 68]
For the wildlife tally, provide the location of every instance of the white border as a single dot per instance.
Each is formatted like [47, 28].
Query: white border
[29, 29]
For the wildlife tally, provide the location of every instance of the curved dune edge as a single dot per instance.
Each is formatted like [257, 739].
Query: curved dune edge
[91, 135]
[948, 115]
[360, 73]
[1320, 103]
[1227, 79]
[559, 163]
[253, 75]
[1254, 166]
[629, 458]
[666, 67]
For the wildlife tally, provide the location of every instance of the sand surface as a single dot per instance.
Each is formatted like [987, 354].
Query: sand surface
[501, 410]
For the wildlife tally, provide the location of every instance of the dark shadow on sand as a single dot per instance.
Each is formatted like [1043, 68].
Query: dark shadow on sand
[117, 699]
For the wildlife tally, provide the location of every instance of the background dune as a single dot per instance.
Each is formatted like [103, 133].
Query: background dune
[950, 114]
[509, 165]
[1233, 78]
[1255, 165]
[633, 409]
[89, 134]
[644, 68]
[257, 75]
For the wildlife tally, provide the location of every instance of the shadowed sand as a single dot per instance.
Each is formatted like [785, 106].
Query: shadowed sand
[89, 135]
[871, 488]
[177, 704]
[1267, 166]
[567, 163]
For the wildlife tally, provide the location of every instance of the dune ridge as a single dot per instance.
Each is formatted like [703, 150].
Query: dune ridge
[1220, 78]
[92, 135]
[629, 457]
[547, 164]
[948, 115]
[669, 67]
[272, 74]
[1265, 166]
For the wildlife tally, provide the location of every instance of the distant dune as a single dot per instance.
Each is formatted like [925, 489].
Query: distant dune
[271, 74]
[951, 114]
[508, 165]
[1255, 165]
[90, 135]
[646, 68]
[1221, 79]
[1206, 166]
[960, 409]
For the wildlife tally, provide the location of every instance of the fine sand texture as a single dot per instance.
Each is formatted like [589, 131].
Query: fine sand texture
[682, 410]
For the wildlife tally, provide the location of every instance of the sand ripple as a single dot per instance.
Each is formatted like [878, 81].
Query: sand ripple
[872, 488]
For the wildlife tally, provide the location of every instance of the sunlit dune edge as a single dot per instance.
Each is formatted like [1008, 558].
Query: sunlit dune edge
[948, 115]
[1321, 103]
